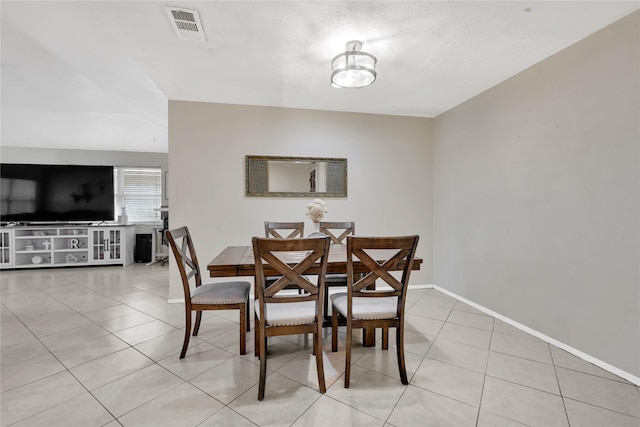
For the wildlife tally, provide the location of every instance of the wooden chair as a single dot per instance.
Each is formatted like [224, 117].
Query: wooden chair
[292, 229]
[279, 313]
[212, 296]
[338, 232]
[381, 308]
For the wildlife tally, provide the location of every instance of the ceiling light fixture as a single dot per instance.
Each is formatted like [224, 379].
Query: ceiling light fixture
[353, 68]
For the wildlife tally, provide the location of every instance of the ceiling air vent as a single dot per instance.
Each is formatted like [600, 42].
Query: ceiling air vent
[186, 23]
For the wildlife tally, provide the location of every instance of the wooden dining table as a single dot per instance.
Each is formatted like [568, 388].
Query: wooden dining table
[238, 261]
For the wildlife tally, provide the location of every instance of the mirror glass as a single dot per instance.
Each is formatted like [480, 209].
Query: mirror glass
[296, 176]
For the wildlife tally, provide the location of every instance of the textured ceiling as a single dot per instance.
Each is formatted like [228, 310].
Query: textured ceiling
[98, 75]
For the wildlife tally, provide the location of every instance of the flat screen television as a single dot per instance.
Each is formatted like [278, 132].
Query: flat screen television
[56, 193]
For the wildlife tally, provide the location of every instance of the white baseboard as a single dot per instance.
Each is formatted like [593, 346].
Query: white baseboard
[584, 356]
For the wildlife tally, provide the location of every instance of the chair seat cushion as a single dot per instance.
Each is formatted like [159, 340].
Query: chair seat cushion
[294, 313]
[367, 308]
[221, 293]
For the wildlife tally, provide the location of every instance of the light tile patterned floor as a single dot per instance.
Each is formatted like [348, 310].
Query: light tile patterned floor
[99, 347]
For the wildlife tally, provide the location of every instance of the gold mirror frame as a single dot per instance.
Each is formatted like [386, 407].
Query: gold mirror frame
[257, 176]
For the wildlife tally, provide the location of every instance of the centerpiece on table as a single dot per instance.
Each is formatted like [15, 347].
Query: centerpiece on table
[315, 211]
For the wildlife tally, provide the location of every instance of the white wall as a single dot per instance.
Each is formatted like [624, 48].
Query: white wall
[536, 195]
[389, 173]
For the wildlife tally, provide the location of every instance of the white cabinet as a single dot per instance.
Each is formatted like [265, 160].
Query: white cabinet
[32, 247]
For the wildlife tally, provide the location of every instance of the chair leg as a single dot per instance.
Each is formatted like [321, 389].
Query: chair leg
[400, 351]
[243, 330]
[263, 363]
[347, 363]
[334, 330]
[319, 363]
[256, 337]
[187, 333]
[198, 319]
[325, 309]
[385, 338]
[247, 318]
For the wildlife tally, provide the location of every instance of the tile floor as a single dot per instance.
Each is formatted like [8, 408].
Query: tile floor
[99, 347]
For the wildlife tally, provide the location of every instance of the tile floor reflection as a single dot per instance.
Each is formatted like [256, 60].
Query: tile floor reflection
[99, 346]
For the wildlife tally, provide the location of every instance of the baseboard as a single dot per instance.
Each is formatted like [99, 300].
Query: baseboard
[584, 356]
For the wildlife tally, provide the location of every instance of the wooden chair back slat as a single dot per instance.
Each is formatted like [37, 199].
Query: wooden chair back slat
[401, 251]
[186, 258]
[289, 230]
[311, 250]
[337, 230]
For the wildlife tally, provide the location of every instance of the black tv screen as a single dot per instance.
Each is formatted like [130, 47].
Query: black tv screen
[41, 193]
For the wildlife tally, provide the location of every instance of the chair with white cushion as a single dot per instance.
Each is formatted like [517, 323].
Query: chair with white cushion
[212, 296]
[280, 311]
[380, 308]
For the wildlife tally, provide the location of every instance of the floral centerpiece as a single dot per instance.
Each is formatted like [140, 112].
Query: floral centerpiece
[316, 210]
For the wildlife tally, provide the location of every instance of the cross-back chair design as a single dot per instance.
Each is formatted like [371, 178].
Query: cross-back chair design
[338, 232]
[288, 229]
[281, 230]
[212, 296]
[289, 313]
[382, 308]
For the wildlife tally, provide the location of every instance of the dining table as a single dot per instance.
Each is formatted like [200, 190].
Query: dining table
[238, 261]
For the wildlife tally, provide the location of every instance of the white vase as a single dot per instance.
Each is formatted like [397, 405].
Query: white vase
[123, 219]
[315, 227]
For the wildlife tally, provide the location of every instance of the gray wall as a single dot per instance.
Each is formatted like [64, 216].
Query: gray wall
[389, 173]
[536, 195]
[84, 157]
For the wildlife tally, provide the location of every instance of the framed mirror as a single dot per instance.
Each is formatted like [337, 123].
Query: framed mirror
[296, 176]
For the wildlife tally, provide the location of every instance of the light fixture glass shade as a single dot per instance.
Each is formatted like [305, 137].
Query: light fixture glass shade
[353, 68]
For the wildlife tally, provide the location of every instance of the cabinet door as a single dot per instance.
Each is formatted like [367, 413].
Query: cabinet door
[5, 248]
[106, 245]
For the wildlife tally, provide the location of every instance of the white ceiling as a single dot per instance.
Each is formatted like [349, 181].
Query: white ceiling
[98, 74]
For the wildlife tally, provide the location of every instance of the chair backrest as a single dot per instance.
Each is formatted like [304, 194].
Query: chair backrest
[291, 259]
[380, 255]
[291, 229]
[338, 231]
[185, 254]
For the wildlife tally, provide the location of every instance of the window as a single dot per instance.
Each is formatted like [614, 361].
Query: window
[140, 191]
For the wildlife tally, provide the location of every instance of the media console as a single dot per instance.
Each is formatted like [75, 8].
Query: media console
[65, 245]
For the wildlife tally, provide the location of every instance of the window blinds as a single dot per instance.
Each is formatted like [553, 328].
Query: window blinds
[140, 191]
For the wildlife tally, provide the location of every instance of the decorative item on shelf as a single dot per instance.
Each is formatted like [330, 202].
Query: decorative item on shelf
[123, 218]
[39, 233]
[28, 246]
[74, 244]
[71, 259]
[75, 232]
[36, 259]
[315, 211]
[46, 244]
